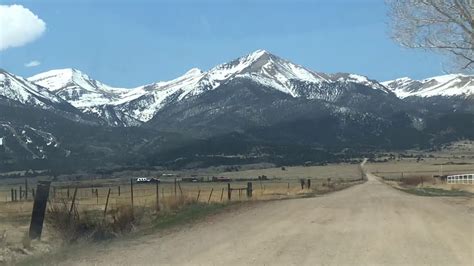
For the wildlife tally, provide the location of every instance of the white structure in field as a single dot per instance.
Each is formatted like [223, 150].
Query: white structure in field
[1, 141]
[460, 179]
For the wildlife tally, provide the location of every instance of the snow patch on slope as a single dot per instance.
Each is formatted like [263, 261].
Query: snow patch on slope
[446, 85]
[78, 88]
[21, 90]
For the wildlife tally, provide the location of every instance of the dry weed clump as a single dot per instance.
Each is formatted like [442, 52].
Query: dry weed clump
[124, 219]
[3, 238]
[26, 241]
[173, 203]
[72, 225]
[416, 180]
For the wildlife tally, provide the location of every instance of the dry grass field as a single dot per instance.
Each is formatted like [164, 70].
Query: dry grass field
[92, 195]
[426, 167]
[457, 158]
[333, 171]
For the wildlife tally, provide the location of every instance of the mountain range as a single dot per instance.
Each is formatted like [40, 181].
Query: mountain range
[258, 107]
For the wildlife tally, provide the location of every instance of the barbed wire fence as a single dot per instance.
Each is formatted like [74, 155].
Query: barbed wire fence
[107, 197]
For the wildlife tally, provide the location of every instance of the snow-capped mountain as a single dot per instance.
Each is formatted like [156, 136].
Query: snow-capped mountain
[16, 88]
[89, 95]
[273, 71]
[260, 66]
[78, 88]
[132, 107]
[258, 107]
[448, 85]
[143, 102]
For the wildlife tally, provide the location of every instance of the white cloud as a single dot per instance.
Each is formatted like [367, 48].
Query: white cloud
[18, 26]
[33, 63]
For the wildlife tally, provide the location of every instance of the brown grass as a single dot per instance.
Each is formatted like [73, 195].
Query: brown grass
[94, 225]
[3, 238]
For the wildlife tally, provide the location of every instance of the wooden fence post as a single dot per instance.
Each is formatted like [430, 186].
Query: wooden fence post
[13, 196]
[39, 208]
[229, 192]
[309, 183]
[26, 188]
[222, 194]
[106, 203]
[131, 191]
[73, 201]
[249, 189]
[97, 195]
[180, 190]
[175, 183]
[119, 191]
[210, 195]
[199, 193]
[157, 197]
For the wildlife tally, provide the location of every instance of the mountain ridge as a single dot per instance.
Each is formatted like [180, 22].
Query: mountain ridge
[451, 85]
[143, 102]
[259, 107]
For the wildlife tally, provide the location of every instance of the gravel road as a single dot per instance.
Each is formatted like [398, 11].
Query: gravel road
[368, 224]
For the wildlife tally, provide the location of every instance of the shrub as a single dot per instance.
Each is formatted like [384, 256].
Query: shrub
[123, 219]
[175, 203]
[3, 238]
[73, 226]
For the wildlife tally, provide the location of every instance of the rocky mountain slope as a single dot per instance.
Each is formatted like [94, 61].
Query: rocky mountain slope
[448, 93]
[142, 103]
[256, 108]
[77, 88]
[447, 85]
[135, 106]
[17, 90]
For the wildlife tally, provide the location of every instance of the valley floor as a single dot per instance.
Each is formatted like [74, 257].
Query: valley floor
[368, 224]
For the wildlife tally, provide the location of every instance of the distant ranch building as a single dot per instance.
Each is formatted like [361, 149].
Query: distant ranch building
[460, 179]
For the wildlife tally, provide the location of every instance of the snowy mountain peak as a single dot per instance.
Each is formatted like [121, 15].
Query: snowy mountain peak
[447, 78]
[77, 88]
[21, 90]
[265, 68]
[259, 52]
[193, 72]
[445, 85]
[58, 78]
[142, 103]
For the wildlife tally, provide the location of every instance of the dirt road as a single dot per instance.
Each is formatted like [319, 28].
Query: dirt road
[369, 224]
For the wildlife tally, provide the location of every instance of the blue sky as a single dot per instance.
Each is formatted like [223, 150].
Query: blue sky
[130, 43]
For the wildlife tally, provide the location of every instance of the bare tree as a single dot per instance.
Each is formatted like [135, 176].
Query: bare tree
[442, 25]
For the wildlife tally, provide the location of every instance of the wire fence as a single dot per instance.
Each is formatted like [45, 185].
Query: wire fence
[19, 199]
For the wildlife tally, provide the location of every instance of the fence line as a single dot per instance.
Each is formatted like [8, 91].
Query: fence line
[95, 197]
